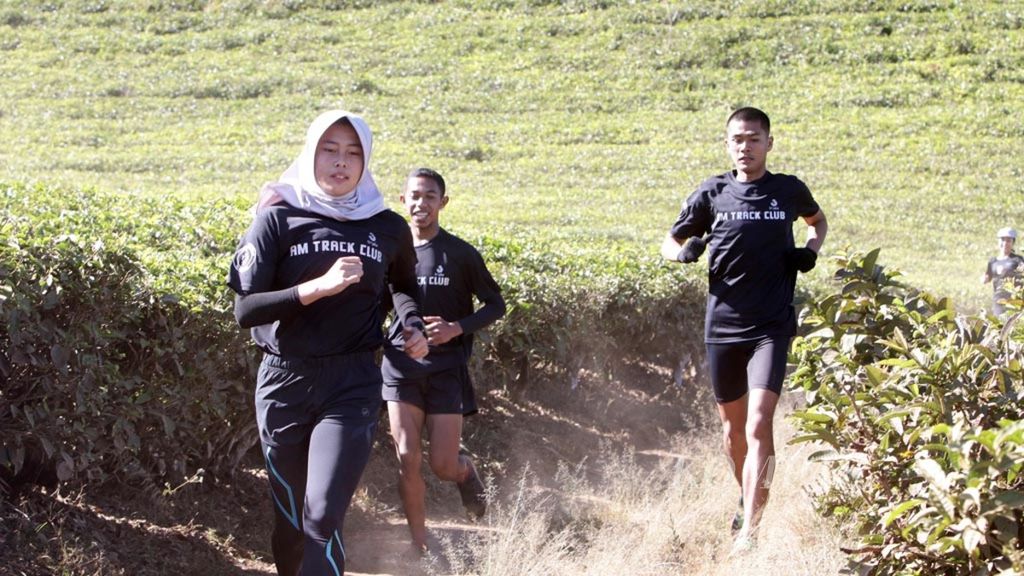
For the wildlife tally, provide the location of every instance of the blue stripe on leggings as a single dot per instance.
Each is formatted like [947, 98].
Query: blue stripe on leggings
[292, 515]
[330, 541]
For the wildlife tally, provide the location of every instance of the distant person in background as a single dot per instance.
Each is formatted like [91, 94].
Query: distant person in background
[746, 217]
[309, 276]
[1004, 271]
[436, 392]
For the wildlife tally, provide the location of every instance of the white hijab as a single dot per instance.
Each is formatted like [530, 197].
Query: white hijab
[298, 188]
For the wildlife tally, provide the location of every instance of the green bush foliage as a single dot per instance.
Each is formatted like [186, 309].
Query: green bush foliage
[920, 410]
[570, 309]
[121, 358]
[542, 113]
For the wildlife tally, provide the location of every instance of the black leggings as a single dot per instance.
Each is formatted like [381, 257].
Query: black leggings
[737, 367]
[317, 419]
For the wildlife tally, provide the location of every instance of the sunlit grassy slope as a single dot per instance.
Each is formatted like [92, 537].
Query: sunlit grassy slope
[582, 121]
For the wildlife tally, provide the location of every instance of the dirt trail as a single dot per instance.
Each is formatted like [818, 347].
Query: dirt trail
[536, 427]
[213, 530]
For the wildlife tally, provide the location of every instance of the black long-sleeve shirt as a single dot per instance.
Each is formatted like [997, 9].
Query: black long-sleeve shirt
[287, 246]
[449, 272]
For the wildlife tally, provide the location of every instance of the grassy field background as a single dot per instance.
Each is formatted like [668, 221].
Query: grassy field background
[580, 122]
[574, 127]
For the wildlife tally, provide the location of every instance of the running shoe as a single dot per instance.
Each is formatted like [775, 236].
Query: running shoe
[743, 544]
[474, 498]
[737, 519]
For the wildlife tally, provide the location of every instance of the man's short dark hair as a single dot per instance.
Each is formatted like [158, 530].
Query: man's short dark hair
[428, 173]
[748, 114]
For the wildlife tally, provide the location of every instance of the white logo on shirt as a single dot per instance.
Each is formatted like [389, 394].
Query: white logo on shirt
[774, 205]
[372, 238]
[438, 279]
[245, 257]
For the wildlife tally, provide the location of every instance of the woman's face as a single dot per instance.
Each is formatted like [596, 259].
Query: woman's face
[1006, 245]
[338, 164]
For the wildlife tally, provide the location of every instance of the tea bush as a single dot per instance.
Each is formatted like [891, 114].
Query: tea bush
[120, 358]
[921, 411]
[570, 308]
[106, 372]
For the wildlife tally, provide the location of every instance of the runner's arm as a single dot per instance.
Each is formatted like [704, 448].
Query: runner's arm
[484, 287]
[402, 285]
[266, 307]
[817, 229]
[492, 310]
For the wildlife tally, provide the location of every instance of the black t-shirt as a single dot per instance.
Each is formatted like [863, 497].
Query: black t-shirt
[1004, 270]
[449, 272]
[750, 289]
[286, 246]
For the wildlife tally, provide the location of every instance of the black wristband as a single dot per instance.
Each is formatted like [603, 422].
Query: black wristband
[419, 325]
[691, 250]
[802, 259]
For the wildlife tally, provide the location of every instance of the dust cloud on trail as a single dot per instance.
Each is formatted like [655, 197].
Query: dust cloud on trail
[607, 478]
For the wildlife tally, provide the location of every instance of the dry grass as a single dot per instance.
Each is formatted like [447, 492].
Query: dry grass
[666, 517]
[610, 478]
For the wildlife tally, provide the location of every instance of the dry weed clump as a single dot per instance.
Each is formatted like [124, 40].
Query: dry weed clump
[641, 518]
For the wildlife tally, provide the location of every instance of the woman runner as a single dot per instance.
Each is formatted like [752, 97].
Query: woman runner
[309, 277]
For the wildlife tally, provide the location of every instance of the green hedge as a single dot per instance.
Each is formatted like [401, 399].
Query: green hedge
[108, 372]
[920, 410]
[121, 360]
[572, 309]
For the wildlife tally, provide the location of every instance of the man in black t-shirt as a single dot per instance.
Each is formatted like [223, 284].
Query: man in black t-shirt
[436, 391]
[1004, 271]
[746, 218]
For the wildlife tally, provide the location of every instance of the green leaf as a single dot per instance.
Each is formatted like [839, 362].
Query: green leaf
[869, 262]
[972, 537]
[814, 417]
[940, 315]
[876, 375]
[933, 472]
[817, 436]
[824, 333]
[60, 357]
[833, 456]
[900, 510]
[901, 413]
[1013, 499]
[898, 363]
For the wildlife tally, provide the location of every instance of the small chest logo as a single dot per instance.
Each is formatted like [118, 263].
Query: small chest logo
[245, 258]
[437, 279]
[774, 204]
[372, 238]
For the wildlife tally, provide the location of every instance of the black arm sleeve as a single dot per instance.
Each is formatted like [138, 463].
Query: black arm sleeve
[487, 290]
[402, 275]
[490, 312]
[266, 307]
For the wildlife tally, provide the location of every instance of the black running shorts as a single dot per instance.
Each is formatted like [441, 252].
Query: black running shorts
[294, 394]
[447, 392]
[737, 367]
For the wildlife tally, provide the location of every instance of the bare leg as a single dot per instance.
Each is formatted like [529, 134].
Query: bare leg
[734, 421]
[449, 464]
[445, 432]
[760, 465]
[406, 425]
